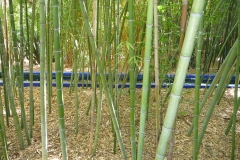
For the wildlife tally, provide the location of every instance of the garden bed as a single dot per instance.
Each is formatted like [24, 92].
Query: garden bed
[215, 144]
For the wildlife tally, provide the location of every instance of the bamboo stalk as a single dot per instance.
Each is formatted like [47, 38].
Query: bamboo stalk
[58, 67]
[132, 79]
[43, 79]
[183, 63]
[157, 87]
[197, 88]
[234, 115]
[145, 87]
[31, 70]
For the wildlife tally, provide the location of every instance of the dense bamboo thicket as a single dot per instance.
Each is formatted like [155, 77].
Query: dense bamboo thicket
[114, 41]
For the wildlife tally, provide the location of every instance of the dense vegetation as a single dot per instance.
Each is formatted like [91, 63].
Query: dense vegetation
[102, 36]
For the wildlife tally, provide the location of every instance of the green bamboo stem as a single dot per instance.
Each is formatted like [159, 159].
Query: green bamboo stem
[4, 71]
[4, 143]
[21, 41]
[27, 27]
[116, 48]
[43, 79]
[49, 58]
[187, 49]
[156, 58]
[226, 83]
[231, 121]
[3, 139]
[145, 87]
[2, 125]
[75, 65]
[217, 93]
[132, 79]
[31, 70]
[103, 79]
[234, 115]
[99, 112]
[21, 67]
[59, 85]
[197, 88]
[93, 77]
[115, 16]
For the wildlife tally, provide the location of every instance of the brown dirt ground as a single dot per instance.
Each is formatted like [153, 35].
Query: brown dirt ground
[215, 145]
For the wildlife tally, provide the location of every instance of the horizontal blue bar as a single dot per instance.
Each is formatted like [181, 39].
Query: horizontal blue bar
[87, 76]
[138, 85]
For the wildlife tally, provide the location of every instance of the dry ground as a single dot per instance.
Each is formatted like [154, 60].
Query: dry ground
[215, 145]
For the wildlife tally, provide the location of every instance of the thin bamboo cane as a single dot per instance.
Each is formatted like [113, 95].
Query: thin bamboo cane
[5, 68]
[27, 27]
[59, 66]
[43, 79]
[99, 110]
[132, 79]
[2, 125]
[236, 87]
[116, 50]
[3, 139]
[31, 70]
[21, 57]
[157, 87]
[145, 87]
[49, 57]
[197, 88]
[93, 76]
[76, 75]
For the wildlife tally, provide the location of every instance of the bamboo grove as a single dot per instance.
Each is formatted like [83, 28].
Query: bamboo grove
[103, 37]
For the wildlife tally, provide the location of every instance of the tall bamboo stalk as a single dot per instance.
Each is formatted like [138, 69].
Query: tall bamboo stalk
[183, 63]
[157, 87]
[49, 56]
[31, 70]
[2, 124]
[145, 86]
[76, 75]
[5, 68]
[132, 79]
[43, 79]
[59, 85]
[93, 75]
[234, 115]
[197, 88]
